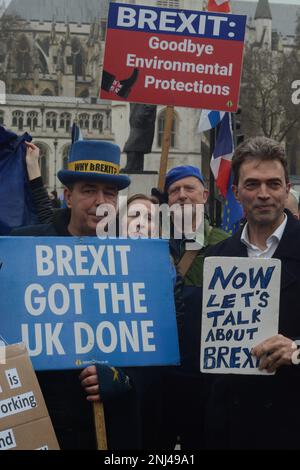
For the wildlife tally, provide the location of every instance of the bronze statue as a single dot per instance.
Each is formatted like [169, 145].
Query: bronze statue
[142, 127]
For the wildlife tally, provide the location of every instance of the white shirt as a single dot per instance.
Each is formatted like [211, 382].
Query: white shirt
[272, 242]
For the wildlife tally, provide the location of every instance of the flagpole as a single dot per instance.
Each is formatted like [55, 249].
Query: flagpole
[211, 205]
[99, 420]
[234, 129]
[169, 113]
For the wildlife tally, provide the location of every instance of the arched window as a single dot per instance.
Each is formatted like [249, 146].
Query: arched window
[18, 120]
[23, 91]
[77, 58]
[84, 121]
[44, 162]
[41, 62]
[65, 121]
[84, 94]
[23, 55]
[51, 120]
[161, 127]
[47, 92]
[98, 122]
[1, 118]
[32, 120]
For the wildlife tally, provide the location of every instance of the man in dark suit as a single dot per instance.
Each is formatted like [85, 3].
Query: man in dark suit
[263, 412]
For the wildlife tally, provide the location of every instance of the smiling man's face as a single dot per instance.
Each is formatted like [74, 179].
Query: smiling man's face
[262, 190]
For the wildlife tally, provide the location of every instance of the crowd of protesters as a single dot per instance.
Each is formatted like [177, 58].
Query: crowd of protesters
[159, 405]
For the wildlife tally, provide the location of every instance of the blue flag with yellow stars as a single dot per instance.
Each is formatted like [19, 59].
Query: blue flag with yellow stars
[232, 211]
[112, 382]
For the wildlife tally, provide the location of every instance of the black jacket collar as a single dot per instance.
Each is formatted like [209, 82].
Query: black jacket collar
[289, 246]
[61, 220]
[288, 250]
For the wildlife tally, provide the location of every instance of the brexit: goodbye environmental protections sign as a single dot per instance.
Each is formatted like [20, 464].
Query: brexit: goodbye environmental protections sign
[173, 57]
[77, 301]
[240, 310]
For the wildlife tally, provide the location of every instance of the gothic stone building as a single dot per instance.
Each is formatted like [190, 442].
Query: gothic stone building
[51, 54]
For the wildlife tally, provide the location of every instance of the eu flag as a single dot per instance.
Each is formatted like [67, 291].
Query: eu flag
[232, 211]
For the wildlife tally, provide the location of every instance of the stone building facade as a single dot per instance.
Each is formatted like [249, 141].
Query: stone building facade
[51, 61]
[51, 54]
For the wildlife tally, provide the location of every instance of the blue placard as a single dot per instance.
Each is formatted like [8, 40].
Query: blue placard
[77, 301]
[179, 22]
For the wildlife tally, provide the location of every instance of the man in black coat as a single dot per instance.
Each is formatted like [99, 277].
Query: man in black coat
[92, 179]
[133, 413]
[262, 412]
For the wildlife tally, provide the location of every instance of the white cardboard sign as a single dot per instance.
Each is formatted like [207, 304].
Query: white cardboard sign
[240, 310]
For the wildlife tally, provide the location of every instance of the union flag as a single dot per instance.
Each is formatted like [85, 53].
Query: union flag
[219, 6]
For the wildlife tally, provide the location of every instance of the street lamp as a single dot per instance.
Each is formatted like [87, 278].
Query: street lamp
[42, 112]
[108, 115]
[55, 161]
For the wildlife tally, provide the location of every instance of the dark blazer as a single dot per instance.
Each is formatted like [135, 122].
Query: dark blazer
[262, 412]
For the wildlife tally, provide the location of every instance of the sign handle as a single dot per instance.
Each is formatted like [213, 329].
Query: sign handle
[100, 426]
[165, 147]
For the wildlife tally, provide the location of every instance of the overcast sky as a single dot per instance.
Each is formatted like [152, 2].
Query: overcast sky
[295, 2]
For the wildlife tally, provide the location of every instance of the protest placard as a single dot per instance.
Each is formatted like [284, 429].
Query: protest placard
[173, 57]
[240, 309]
[24, 419]
[77, 301]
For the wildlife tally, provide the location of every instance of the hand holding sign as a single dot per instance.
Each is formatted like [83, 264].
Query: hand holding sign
[240, 311]
[111, 380]
[274, 352]
[113, 383]
[90, 383]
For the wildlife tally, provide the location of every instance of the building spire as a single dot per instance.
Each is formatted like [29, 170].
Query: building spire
[263, 10]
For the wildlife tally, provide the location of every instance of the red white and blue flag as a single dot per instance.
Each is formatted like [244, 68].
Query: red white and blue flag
[221, 167]
[221, 159]
[219, 6]
[209, 119]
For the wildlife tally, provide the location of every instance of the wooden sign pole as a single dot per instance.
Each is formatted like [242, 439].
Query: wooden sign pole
[100, 426]
[165, 147]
